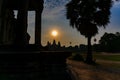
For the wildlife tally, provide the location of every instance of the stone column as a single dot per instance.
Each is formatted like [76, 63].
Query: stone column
[2, 20]
[1, 2]
[21, 28]
[38, 27]
[38, 23]
[0, 13]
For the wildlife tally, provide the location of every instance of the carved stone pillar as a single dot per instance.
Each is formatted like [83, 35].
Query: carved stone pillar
[38, 23]
[0, 13]
[38, 27]
[21, 30]
[1, 21]
[8, 28]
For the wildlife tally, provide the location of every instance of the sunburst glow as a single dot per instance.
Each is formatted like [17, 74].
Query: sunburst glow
[54, 33]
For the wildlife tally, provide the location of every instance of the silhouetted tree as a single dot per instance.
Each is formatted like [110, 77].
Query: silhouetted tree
[86, 16]
[110, 42]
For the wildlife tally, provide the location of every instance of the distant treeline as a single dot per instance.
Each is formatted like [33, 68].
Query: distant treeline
[109, 42]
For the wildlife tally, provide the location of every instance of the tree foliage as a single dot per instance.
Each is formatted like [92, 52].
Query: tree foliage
[87, 15]
[110, 42]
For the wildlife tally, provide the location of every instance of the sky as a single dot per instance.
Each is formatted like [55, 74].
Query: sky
[54, 18]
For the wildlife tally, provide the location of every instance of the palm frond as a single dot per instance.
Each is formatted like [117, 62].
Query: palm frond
[87, 15]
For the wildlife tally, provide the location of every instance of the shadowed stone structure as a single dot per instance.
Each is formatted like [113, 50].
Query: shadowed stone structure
[34, 66]
[21, 61]
[14, 31]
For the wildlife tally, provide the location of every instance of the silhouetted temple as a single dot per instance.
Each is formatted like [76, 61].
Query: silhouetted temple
[14, 31]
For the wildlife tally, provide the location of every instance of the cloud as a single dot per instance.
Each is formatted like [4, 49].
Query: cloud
[54, 9]
[116, 3]
[115, 16]
[54, 3]
[53, 13]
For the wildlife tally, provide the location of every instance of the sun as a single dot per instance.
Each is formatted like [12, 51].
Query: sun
[54, 33]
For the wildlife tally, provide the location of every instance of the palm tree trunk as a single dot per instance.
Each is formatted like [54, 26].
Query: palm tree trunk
[89, 58]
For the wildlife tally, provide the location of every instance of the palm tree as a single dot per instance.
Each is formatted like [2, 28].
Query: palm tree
[86, 16]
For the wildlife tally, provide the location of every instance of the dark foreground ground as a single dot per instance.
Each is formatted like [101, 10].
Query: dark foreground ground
[33, 65]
